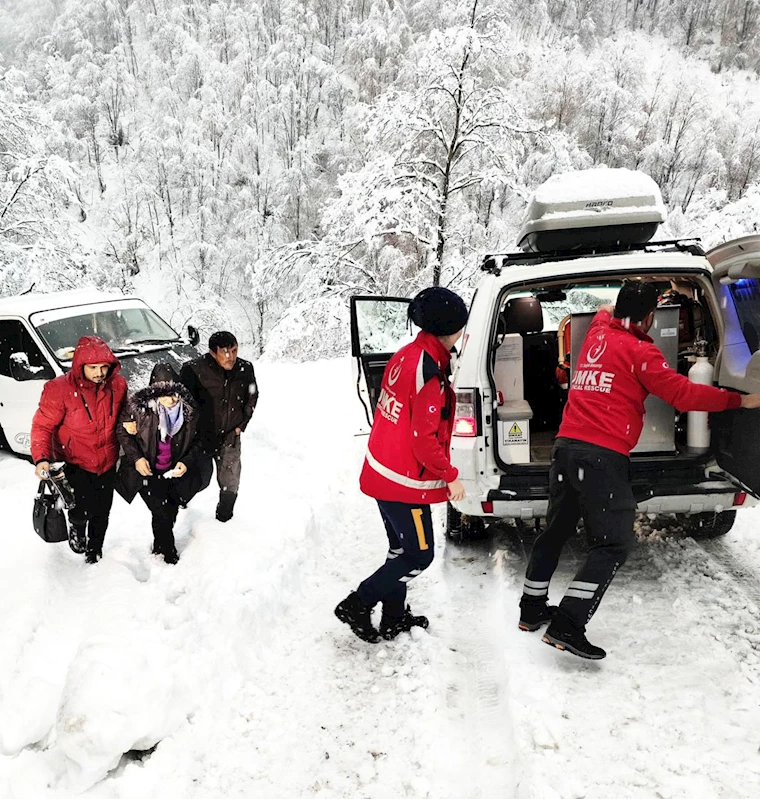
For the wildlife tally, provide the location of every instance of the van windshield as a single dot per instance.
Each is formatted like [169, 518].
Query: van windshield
[125, 330]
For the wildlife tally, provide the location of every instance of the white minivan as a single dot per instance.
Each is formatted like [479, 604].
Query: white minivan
[582, 237]
[38, 334]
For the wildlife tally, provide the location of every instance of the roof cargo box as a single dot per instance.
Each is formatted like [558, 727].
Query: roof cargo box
[592, 208]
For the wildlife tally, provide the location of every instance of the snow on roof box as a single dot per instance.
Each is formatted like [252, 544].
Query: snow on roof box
[592, 208]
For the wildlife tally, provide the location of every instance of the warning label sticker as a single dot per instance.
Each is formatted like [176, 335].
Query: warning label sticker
[517, 433]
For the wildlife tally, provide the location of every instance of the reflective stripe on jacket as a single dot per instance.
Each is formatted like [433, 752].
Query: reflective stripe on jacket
[408, 451]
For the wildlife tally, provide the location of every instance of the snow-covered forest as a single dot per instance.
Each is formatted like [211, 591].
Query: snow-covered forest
[252, 164]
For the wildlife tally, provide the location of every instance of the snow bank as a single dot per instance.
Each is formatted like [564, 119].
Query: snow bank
[124, 691]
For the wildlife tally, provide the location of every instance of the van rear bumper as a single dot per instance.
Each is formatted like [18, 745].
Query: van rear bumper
[651, 477]
[508, 508]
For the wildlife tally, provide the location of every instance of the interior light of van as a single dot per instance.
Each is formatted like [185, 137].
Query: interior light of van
[739, 498]
[465, 421]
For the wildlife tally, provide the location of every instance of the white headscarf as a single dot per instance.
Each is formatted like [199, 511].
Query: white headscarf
[170, 420]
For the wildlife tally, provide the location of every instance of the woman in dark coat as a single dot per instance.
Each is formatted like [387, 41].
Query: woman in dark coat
[162, 458]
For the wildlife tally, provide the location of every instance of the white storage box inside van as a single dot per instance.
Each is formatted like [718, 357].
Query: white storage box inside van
[592, 208]
[513, 421]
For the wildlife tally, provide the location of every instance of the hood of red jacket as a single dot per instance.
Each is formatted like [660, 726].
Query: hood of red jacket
[91, 349]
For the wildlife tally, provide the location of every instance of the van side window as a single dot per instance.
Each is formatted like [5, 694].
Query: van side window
[746, 296]
[20, 358]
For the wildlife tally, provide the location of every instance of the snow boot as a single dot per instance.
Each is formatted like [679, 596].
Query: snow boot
[226, 505]
[391, 626]
[358, 617]
[93, 555]
[534, 615]
[563, 634]
[77, 539]
[171, 555]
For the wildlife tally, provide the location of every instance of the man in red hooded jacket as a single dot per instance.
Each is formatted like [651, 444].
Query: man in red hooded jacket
[76, 423]
[618, 367]
[407, 466]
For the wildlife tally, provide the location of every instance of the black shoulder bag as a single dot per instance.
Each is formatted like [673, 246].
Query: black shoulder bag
[49, 520]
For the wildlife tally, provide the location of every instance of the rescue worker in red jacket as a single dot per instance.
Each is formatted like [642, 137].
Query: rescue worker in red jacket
[407, 465]
[76, 423]
[618, 367]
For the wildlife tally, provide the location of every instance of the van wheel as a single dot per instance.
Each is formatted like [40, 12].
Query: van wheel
[709, 525]
[461, 528]
[4, 441]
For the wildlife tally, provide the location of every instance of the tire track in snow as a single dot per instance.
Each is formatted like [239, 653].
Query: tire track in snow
[472, 628]
[744, 578]
[681, 678]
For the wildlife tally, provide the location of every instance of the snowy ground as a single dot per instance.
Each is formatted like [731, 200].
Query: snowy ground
[233, 663]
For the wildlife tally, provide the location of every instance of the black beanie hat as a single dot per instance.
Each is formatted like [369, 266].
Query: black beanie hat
[163, 373]
[438, 311]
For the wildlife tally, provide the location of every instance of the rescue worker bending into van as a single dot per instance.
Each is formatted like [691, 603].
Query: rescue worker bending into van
[76, 423]
[618, 367]
[407, 466]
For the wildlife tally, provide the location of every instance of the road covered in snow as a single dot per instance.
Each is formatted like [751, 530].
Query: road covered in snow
[228, 675]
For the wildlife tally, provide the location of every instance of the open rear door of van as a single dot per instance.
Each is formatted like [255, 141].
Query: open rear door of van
[379, 327]
[736, 434]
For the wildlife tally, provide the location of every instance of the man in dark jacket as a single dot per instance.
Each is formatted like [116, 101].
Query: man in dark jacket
[618, 367]
[225, 388]
[76, 423]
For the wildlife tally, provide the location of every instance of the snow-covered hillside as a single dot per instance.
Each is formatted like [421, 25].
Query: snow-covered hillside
[234, 665]
[252, 165]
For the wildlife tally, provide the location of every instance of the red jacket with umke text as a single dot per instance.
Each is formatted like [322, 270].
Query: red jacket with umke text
[408, 451]
[619, 366]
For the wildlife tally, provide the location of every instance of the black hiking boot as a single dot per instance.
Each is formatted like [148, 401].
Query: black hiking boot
[533, 615]
[563, 634]
[93, 555]
[358, 617]
[391, 626]
[77, 539]
[226, 506]
[171, 555]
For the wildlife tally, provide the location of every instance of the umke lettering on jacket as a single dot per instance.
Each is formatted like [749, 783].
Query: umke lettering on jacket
[389, 406]
[593, 378]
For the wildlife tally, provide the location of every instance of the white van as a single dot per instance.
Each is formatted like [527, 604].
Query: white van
[580, 240]
[38, 334]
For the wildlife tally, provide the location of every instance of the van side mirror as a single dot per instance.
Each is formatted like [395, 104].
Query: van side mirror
[193, 335]
[22, 370]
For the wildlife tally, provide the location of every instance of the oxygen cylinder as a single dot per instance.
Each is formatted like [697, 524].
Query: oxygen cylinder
[697, 427]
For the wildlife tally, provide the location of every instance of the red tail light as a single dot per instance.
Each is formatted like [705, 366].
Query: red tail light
[465, 420]
[487, 507]
[739, 498]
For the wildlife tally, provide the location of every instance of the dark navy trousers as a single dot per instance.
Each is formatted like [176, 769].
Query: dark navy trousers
[410, 552]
